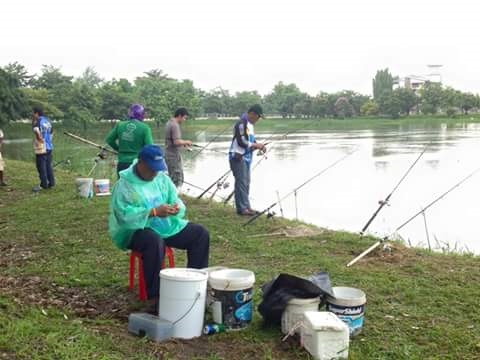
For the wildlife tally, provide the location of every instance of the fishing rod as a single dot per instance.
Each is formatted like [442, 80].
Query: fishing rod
[384, 202]
[381, 241]
[212, 185]
[207, 144]
[66, 161]
[222, 178]
[103, 148]
[199, 188]
[204, 148]
[102, 155]
[249, 151]
[294, 191]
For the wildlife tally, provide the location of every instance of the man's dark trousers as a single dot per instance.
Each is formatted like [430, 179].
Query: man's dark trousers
[194, 238]
[45, 169]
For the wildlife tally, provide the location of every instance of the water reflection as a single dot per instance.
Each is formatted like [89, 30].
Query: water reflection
[346, 195]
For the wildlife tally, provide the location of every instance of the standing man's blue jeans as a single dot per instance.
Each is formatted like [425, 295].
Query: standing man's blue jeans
[45, 169]
[241, 172]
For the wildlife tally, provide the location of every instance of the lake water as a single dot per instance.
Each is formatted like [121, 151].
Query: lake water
[345, 196]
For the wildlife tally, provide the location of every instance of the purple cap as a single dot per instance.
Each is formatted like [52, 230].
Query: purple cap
[136, 111]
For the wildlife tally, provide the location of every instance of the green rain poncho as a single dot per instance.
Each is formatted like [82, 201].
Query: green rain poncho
[132, 201]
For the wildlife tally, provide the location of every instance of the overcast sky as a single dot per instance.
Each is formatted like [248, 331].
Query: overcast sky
[248, 44]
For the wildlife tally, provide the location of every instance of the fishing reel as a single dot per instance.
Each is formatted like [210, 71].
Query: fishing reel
[223, 185]
[383, 203]
[102, 154]
[262, 152]
[271, 214]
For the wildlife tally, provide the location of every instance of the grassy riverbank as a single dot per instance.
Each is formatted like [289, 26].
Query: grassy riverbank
[63, 285]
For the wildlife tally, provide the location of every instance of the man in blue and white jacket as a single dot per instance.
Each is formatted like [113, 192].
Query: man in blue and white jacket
[240, 156]
[43, 145]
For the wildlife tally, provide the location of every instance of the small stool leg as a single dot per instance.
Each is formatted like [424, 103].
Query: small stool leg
[132, 272]
[171, 258]
[141, 281]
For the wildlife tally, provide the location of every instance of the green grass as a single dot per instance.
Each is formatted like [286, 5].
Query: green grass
[63, 285]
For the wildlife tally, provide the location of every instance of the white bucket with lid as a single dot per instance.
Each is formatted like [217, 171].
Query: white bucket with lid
[182, 300]
[232, 297]
[293, 313]
[102, 187]
[349, 305]
[84, 187]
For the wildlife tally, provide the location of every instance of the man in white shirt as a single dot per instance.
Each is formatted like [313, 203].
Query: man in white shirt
[240, 157]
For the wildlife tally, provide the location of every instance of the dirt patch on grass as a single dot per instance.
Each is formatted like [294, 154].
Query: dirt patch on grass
[36, 291]
[7, 355]
[293, 231]
[223, 346]
[226, 347]
[13, 254]
[10, 195]
[391, 254]
[33, 290]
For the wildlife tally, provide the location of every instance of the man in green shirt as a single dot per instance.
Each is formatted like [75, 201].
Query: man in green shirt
[146, 214]
[130, 136]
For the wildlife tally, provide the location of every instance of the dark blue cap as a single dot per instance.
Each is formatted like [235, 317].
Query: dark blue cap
[153, 156]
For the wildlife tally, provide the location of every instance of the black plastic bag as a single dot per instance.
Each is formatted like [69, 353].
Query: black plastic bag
[279, 291]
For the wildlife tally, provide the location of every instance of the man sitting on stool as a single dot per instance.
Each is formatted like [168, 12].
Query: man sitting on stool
[146, 214]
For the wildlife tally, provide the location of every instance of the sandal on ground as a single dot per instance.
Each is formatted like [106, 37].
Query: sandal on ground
[247, 212]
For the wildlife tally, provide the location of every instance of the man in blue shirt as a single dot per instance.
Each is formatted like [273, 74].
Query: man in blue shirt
[240, 156]
[43, 148]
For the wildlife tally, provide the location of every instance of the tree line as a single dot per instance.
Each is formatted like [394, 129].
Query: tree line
[89, 98]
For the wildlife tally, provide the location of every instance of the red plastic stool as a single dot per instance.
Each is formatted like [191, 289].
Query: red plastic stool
[142, 287]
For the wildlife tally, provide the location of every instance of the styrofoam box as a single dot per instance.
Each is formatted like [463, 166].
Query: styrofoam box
[324, 335]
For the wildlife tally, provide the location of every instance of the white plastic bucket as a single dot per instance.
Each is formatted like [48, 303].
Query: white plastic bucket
[232, 297]
[102, 187]
[293, 313]
[182, 300]
[349, 306]
[209, 300]
[211, 269]
[84, 187]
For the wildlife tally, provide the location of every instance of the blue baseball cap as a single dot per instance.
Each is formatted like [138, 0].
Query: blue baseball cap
[153, 156]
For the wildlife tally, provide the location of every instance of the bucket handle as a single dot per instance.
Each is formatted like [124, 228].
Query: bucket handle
[190, 309]
[294, 327]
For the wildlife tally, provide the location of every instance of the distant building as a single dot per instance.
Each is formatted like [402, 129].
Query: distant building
[409, 82]
[416, 82]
